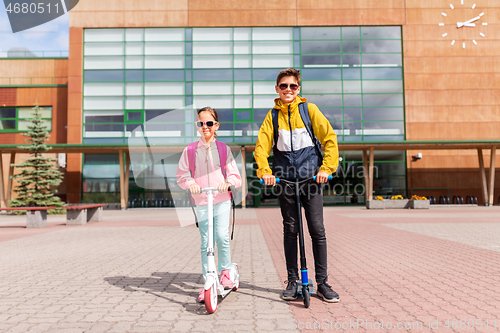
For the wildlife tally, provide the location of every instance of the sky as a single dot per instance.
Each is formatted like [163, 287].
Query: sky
[51, 36]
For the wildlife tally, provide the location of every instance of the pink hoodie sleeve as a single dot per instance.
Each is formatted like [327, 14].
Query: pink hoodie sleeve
[183, 173]
[233, 175]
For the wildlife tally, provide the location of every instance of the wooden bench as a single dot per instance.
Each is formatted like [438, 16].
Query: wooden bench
[83, 213]
[36, 217]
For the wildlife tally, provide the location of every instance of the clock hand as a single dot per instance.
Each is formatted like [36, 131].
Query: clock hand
[467, 24]
[461, 24]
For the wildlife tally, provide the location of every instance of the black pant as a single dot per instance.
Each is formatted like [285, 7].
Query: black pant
[311, 197]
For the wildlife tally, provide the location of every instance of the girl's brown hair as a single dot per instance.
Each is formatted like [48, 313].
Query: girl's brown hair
[212, 112]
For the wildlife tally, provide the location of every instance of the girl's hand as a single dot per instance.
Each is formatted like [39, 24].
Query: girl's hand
[223, 187]
[195, 189]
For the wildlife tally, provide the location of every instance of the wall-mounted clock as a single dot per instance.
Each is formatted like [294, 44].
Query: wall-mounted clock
[475, 21]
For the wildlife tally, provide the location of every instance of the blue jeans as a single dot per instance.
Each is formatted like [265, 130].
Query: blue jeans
[221, 234]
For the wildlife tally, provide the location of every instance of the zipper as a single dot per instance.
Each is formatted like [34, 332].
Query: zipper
[290, 124]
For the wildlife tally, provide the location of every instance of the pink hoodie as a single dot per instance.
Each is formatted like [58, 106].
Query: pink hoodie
[207, 172]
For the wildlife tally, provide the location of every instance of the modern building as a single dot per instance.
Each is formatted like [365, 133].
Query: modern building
[401, 77]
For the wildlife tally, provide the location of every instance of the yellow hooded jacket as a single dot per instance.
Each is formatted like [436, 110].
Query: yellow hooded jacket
[295, 154]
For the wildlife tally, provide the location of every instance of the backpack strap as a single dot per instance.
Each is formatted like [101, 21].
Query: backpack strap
[275, 113]
[222, 148]
[191, 151]
[306, 118]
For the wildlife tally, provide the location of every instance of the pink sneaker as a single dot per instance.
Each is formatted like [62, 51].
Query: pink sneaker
[225, 279]
[201, 296]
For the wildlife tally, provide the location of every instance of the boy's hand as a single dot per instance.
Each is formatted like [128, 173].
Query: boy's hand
[269, 180]
[223, 187]
[195, 188]
[321, 177]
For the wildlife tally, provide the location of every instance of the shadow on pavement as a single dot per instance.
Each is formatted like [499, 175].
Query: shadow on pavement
[167, 285]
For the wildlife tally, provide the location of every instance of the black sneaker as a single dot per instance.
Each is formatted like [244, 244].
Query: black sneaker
[290, 293]
[325, 291]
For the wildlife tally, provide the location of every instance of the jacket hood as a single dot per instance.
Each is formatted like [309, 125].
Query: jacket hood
[278, 104]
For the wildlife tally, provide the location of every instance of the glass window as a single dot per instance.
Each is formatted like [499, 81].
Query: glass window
[103, 89]
[7, 124]
[212, 75]
[381, 46]
[8, 113]
[161, 62]
[272, 34]
[352, 101]
[212, 61]
[322, 60]
[350, 46]
[134, 88]
[242, 74]
[134, 103]
[104, 49]
[164, 48]
[164, 34]
[264, 87]
[242, 102]
[383, 113]
[242, 34]
[389, 60]
[242, 61]
[163, 102]
[134, 75]
[164, 88]
[134, 116]
[212, 34]
[333, 114]
[266, 74]
[321, 87]
[383, 100]
[104, 119]
[381, 86]
[272, 47]
[164, 116]
[103, 76]
[103, 103]
[350, 33]
[329, 101]
[320, 33]
[382, 73]
[134, 62]
[321, 74]
[205, 48]
[164, 75]
[104, 35]
[262, 61]
[352, 87]
[134, 35]
[22, 125]
[104, 63]
[213, 88]
[242, 48]
[217, 102]
[350, 60]
[381, 32]
[321, 47]
[352, 114]
[243, 88]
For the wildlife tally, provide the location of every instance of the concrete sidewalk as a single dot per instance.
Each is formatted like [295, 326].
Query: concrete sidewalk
[139, 271]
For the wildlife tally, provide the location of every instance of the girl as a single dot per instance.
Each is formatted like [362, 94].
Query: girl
[207, 172]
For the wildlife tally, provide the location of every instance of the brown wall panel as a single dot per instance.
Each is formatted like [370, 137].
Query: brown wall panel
[242, 18]
[26, 68]
[7, 139]
[439, 4]
[29, 96]
[436, 65]
[452, 97]
[459, 14]
[8, 96]
[129, 19]
[453, 131]
[452, 81]
[434, 32]
[351, 17]
[453, 113]
[124, 5]
[352, 4]
[240, 5]
[444, 48]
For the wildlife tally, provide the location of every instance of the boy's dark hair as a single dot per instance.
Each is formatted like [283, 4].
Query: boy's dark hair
[289, 72]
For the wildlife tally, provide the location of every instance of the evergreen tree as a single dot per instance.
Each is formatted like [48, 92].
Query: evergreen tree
[39, 175]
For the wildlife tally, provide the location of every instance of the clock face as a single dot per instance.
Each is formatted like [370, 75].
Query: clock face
[464, 18]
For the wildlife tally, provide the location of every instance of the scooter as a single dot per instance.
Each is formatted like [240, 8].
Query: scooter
[212, 287]
[303, 288]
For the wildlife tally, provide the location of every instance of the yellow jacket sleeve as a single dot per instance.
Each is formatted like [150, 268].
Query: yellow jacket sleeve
[263, 146]
[323, 130]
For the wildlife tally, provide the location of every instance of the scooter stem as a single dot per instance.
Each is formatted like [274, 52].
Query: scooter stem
[303, 266]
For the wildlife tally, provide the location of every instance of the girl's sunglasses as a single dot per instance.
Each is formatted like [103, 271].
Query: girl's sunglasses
[293, 86]
[209, 123]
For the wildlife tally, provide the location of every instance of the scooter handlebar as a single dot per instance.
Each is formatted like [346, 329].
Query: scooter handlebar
[330, 177]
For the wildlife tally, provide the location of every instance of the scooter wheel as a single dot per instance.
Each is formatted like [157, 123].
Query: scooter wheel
[306, 296]
[211, 299]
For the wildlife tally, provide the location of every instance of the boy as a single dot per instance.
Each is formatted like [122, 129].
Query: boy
[296, 157]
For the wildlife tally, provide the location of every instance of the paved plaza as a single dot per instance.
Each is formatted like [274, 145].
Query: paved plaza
[139, 270]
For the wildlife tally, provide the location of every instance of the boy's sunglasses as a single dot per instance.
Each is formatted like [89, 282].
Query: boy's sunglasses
[293, 86]
[209, 123]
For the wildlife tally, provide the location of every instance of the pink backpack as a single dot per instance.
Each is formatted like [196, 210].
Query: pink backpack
[221, 147]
